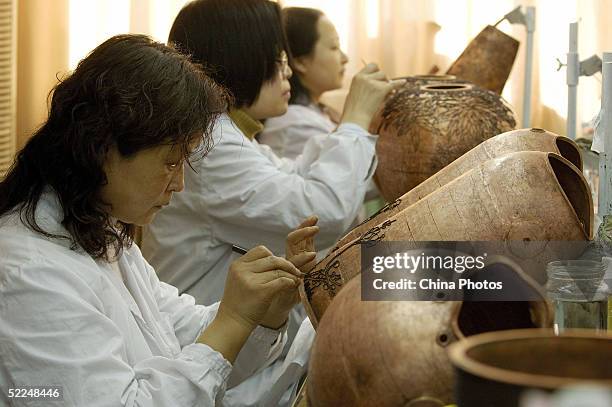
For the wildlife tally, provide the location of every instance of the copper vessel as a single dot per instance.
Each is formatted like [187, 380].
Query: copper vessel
[521, 196]
[495, 368]
[423, 128]
[393, 353]
[533, 139]
[413, 83]
[487, 60]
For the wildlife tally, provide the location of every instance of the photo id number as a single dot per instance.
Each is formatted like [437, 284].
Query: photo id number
[36, 393]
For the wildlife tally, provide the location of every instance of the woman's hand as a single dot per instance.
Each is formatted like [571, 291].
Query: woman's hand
[300, 251]
[253, 283]
[300, 248]
[367, 93]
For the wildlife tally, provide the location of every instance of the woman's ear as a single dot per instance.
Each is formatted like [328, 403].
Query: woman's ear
[300, 65]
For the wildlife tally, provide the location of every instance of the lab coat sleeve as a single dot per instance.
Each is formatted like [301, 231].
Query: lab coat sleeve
[289, 139]
[54, 332]
[245, 190]
[189, 320]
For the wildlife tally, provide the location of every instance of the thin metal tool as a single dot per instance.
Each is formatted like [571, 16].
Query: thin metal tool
[239, 249]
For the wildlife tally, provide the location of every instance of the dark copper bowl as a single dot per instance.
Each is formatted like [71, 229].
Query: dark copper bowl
[495, 368]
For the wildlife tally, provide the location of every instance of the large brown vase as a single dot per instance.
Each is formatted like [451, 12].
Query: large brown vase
[523, 196]
[393, 353]
[487, 60]
[494, 369]
[423, 128]
[513, 141]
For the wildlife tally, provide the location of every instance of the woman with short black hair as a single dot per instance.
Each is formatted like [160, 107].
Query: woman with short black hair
[238, 55]
[81, 310]
[243, 193]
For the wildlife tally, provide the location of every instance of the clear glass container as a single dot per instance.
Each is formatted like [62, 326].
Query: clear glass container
[578, 293]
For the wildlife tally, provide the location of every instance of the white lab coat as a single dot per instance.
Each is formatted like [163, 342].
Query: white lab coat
[68, 320]
[242, 193]
[287, 134]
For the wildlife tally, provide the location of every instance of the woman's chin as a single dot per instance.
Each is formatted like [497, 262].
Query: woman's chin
[281, 110]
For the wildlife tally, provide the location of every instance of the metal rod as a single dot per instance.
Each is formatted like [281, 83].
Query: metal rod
[605, 129]
[530, 24]
[573, 72]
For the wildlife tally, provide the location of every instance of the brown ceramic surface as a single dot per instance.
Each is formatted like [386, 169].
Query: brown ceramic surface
[423, 128]
[413, 83]
[513, 141]
[393, 353]
[520, 196]
[487, 60]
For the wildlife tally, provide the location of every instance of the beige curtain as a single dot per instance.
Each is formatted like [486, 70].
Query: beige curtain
[400, 40]
[8, 38]
[42, 55]
[52, 36]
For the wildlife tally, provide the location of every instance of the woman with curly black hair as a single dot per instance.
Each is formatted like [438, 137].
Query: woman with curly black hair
[80, 308]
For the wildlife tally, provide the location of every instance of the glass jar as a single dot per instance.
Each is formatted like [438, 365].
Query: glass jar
[578, 293]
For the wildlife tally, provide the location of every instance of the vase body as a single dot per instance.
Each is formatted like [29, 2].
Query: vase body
[393, 353]
[523, 196]
[513, 141]
[487, 60]
[424, 127]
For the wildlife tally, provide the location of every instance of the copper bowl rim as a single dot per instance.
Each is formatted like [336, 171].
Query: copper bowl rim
[434, 77]
[429, 77]
[457, 353]
[446, 87]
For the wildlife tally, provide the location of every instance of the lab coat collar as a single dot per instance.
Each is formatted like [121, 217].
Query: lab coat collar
[50, 215]
[247, 125]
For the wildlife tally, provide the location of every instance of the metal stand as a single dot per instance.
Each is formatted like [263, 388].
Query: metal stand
[605, 129]
[575, 69]
[530, 24]
[527, 19]
[572, 77]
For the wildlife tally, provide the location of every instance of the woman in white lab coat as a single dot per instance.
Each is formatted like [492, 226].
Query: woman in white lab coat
[318, 66]
[243, 193]
[81, 310]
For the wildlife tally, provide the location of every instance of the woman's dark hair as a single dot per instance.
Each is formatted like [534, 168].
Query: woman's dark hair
[302, 35]
[130, 93]
[237, 41]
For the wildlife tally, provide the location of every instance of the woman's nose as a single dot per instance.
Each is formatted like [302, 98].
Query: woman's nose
[177, 183]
